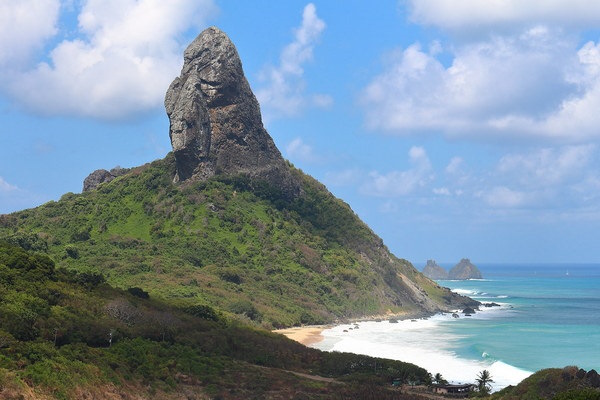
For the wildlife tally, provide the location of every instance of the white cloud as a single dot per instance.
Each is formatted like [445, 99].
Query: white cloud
[14, 198]
[284, 90]
[443, 191]
[123, 59]
[401, 183]
[548, 178]
[24, 26]
[503, 197]
[322, 100]
[547, 167]
[344, 178]
[298, 150]
[455, 165]
[535, 84]
[461, 15]
[6, 187]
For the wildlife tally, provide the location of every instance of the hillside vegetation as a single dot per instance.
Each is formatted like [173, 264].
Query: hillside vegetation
[231, 243]
[69, 335]
[569, 383]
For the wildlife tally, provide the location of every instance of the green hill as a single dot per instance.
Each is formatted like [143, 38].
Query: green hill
[156, 282]
[569, 383]
[233, 243]
[225, 221]
[66, 335]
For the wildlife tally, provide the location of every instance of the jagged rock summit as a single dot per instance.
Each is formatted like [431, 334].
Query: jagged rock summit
[433, 271]
[100, 176]
[464, 270]
[215, 121]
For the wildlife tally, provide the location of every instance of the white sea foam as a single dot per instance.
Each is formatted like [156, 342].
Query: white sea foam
[423, 342]
[466, 292]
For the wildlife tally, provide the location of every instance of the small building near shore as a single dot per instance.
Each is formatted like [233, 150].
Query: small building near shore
[455, 390]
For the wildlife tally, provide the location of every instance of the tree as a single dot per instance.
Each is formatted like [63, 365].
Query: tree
[438, 379]
[484, 378]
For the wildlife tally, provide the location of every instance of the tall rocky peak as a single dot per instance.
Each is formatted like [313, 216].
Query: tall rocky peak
[215, 121]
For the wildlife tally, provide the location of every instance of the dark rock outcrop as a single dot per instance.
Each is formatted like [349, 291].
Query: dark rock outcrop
[434, 271]
[215, 121]
[593, 377]
[99, 176]
[489, 305]
[468, 311]
[464, 270]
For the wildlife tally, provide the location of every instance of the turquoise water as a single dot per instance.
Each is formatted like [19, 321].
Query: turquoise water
[553, 319]
[549, 317]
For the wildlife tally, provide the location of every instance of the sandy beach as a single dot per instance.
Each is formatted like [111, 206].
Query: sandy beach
[306, 335]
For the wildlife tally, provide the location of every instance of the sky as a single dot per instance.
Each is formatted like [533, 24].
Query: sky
[454, 128]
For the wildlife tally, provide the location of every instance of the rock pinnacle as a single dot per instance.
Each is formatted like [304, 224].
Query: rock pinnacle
[215, 122]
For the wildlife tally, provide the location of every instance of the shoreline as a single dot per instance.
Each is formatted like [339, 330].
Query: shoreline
[312, 334]
[306, 335]
[417, 339]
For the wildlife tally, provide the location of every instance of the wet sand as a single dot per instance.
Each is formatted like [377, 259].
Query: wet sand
[306, 335]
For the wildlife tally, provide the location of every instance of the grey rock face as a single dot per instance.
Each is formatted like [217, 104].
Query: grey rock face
[464, 270]
[434, 271]
[215, 121]
[99, 176]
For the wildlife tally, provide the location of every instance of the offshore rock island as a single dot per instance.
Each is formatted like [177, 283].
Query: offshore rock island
[433, 271]
[462, 271]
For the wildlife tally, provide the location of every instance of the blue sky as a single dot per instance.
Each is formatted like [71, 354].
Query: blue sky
[454, 128]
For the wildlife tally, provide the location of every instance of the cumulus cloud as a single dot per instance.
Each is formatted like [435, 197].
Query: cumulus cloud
[283, 93]
[550, 178]
[547, 167]
[461, 15]
[546, 178]
[536, 84]
[123, 58]
[24, 26]
[401, 183]
[298, 150]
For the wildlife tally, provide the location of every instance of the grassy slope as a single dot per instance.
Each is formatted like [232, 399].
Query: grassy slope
[54, 343]
[230, 243]
[568, 383]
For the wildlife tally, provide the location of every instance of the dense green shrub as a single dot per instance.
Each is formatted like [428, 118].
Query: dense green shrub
[138, 292]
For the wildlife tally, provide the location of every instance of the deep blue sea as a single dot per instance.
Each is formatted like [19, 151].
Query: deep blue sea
[549, 317]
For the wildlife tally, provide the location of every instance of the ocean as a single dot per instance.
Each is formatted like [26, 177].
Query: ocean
[549, 316]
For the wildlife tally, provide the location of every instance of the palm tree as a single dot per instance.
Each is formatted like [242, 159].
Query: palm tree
[438, 379]
[483, 381]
